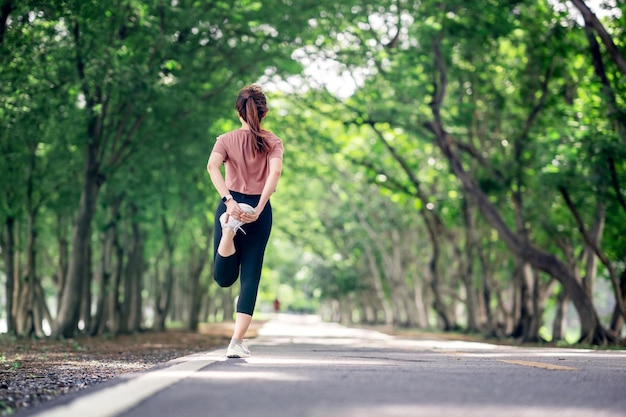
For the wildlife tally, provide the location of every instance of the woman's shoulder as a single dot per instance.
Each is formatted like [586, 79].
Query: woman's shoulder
[238, 134]
[275, 148]
[273, 138]
[231, 134]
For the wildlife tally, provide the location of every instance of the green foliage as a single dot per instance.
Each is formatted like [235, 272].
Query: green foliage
[154, 83]
[521, 99]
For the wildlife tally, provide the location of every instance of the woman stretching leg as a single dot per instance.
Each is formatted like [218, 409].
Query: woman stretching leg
[243, 220]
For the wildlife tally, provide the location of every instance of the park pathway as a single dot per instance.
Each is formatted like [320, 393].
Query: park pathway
[302, 367]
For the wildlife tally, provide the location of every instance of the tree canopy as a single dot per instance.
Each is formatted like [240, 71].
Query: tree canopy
[456, 165]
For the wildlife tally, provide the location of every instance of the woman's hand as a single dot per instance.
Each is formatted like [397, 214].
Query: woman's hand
[250, 217]
[233, 209]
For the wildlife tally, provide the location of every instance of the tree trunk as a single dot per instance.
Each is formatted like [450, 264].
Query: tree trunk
[131, 279]
[23, 320]
[31, 254]
[85, 302]
[176, 312]
[558, 327]
[540, 296]
[38, 312]
[378, 284]
[31, 273]
[403, 299]
[367, 307]
[128, 285]
[335, 311]
[195, 291]
[468, 274]
[526, 281]
[592, 244]
[435, 279]
[17, 274]
[163, 297]
[116, 280]
[617, 319]
[103, 278]
[486, 291]
[199, 260]
[163, 300]
[44, 311]
[506, 308]
[471, 302]
[69, 312]
[591, 328]
[345, 311]
[62, 264]
[8, 250]
[135, 272]
[367, 295]
[591, 260]
[211, 307]
[420, 305]
[204, 304]
[228, 304]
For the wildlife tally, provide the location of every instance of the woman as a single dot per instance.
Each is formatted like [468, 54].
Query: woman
[253, 160]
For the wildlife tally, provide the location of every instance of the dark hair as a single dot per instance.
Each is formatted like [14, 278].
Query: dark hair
[251, 105]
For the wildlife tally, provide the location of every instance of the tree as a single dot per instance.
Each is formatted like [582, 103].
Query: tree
[494, 86]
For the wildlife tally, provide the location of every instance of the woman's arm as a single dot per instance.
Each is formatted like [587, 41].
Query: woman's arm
[213, 167]
[276, 166]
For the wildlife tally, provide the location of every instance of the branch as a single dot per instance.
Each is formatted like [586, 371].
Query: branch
[419, 193]
[125, 110]
[596, 59]
[446, 144]
[394, 41]
[5, 11]
[395, 184]
[598, 67]
[80, 65]
[615, 182]
[605, 261]
[592, 20]
[539, 104]
[119, 155]
[440, 84]
[379, 67]
[405, 167]
[473, 152]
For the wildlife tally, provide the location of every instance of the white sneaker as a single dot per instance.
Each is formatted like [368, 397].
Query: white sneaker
[237, 350]
[233, 223]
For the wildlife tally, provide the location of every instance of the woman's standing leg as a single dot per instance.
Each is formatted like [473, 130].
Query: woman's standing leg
[251, 250]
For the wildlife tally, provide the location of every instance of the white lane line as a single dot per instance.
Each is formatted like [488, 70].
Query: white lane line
[112, 401]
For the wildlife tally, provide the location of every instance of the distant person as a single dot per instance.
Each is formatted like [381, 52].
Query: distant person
[253, 159]
[276, 305]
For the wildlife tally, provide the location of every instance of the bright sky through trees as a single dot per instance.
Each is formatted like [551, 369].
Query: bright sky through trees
[322, 71]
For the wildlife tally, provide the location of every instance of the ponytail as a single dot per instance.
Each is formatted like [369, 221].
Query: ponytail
[252, 107]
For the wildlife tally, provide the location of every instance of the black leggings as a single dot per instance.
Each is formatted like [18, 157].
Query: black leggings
[249, 252]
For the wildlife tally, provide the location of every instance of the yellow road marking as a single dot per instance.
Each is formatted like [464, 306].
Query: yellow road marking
[541, 365]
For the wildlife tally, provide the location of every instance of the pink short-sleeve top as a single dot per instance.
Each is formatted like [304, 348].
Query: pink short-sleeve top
[246, 171]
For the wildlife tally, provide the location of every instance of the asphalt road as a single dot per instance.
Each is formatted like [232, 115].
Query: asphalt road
[305, 368]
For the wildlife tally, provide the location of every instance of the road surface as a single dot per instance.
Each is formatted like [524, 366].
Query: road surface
[306, 368]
